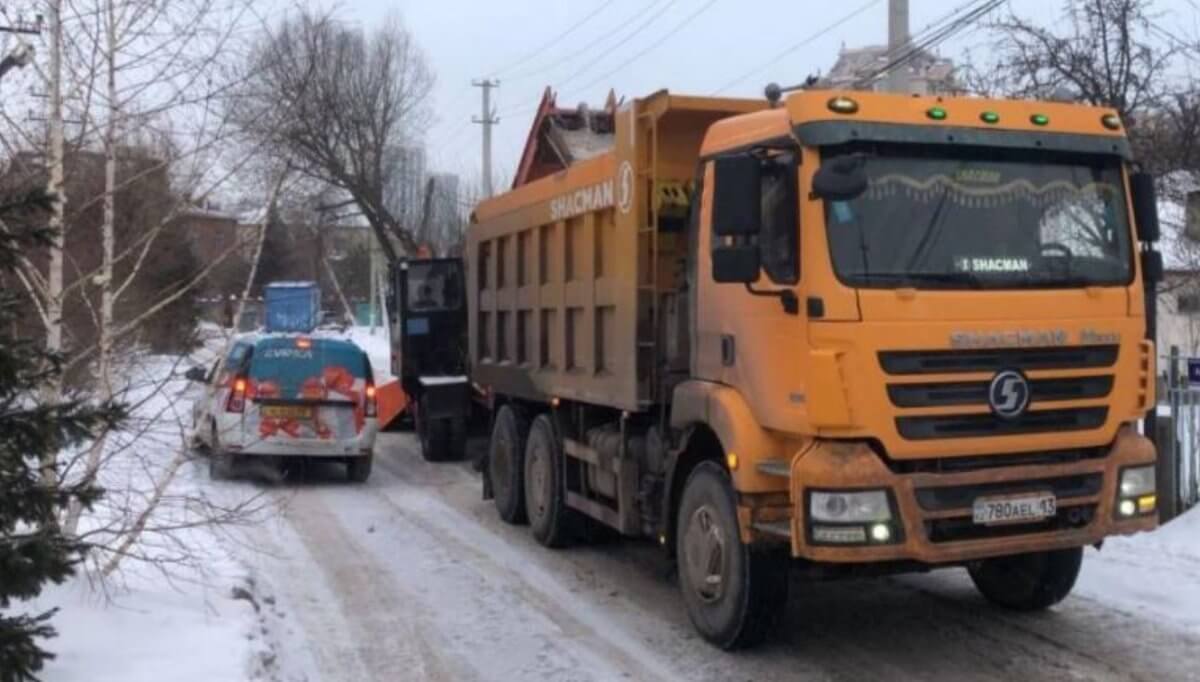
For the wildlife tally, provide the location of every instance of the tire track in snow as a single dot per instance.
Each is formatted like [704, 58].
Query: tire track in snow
[385, 635]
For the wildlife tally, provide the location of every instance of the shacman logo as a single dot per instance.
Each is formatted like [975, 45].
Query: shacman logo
[625, 187]
[582, 201]
[1008, 394]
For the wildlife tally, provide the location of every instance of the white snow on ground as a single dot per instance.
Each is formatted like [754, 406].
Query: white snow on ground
[1156, 575]
[146, 623]
[154, 630]
[400, 579]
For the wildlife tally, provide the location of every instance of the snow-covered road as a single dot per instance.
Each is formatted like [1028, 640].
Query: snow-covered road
[413, 577]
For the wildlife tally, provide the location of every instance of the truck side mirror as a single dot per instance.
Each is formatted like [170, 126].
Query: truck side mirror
[736, 263]
[1152, 266]
[1145, 206]
[841, 178]
[736, 201]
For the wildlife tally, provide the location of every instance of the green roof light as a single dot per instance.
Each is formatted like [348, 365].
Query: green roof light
[936, 113]
[1039, 119]
[989, 117]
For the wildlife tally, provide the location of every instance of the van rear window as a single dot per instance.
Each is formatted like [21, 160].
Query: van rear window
[283, 368]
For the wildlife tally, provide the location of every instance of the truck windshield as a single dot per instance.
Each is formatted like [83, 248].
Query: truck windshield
[994, 218]
[434, 285]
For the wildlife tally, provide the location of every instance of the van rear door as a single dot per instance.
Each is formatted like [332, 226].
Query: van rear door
[309, 389]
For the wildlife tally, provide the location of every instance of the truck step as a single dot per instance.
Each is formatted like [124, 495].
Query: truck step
[775, 467]
[779, 529]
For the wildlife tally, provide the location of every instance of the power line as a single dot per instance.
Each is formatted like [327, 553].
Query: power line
[803, 43]
[940, 35]
[630, 36]
[659, 43]
[607, 35]
[553, 41]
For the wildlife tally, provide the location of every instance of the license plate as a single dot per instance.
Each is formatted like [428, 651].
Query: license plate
[1035, 507]
[287, 411]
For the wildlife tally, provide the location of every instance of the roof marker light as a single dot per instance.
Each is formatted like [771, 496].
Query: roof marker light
[936, 113]
[1039, 119]
[303, 342]
[990, 117]
[1111, 121]
[842, 105]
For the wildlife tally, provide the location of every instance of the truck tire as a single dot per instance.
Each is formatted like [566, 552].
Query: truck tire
[434, 435]
[220, 462]
[456, 438]
[1028, 582]
[553, 524]
[506, 463]
[734, 593]
[358, 470]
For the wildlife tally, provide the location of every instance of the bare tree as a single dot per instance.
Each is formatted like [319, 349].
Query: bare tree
[366, 95]
[1103, 52]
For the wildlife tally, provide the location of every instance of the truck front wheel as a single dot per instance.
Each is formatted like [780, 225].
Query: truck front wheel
[734, 593]
[506, 463]
[1028, 582]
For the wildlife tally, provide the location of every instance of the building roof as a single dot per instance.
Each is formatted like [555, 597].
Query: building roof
[561, 136]
[856, 63]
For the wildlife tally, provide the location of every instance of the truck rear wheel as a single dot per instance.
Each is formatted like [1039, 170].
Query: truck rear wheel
[456, 438]
[506, 463]
[734, 593]
[434, 434]
[553, 524]
[1028, 582]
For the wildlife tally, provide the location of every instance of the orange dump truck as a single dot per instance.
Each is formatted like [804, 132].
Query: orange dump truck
[840, 333]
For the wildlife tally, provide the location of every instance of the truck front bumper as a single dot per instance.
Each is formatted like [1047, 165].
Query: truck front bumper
[932, 513]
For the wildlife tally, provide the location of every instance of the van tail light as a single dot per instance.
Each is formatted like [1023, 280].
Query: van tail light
[370, 409]
[237, 397]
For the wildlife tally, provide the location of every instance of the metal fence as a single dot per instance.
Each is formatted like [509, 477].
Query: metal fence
[1179, 435]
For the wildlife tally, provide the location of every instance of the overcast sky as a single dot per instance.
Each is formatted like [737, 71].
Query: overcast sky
[639, 46]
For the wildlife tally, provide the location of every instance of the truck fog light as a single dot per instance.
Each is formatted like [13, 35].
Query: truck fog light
[1127, 508]
[880, 532]
[1146, 503]
[839, 535]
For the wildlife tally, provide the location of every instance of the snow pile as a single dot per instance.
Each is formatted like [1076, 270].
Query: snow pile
[179, 606]
[1156, 574]
[151, 629]
[377, 347]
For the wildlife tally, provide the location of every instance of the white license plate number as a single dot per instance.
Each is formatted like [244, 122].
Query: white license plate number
[994, 510]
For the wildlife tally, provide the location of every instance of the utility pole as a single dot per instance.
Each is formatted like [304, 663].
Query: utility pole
[898, 42]
[487, 120]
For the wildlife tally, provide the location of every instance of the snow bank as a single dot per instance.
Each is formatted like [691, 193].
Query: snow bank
[1156, 575]
[180, 619]
[153, 630]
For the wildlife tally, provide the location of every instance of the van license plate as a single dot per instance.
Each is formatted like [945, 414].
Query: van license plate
[994, 510]
[287, 411]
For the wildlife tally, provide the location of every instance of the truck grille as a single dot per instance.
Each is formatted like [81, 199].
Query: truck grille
[976, 425]
[975, 392]
[995, 359]
[1043, 390]
[944, 498]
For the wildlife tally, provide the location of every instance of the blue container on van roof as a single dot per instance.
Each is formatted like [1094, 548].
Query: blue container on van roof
[292, 306]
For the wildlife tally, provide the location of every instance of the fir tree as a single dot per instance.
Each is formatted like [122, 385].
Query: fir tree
[33, 550]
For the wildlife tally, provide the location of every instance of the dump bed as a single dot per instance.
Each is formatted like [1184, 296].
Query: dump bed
[570, 277]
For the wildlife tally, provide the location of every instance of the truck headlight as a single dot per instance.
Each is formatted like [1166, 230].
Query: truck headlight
[1136, 492]
[1137, 481]
[849, 507]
